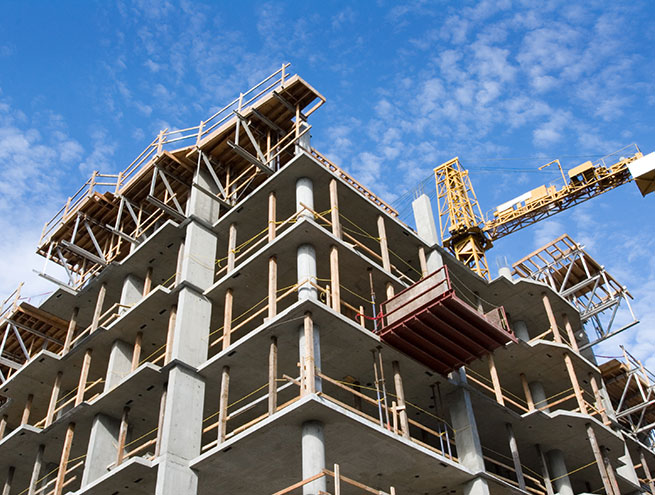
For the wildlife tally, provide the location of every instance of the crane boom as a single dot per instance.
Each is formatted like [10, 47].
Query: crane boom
[586, 181]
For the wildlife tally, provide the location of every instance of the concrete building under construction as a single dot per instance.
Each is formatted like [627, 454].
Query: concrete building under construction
[239, 315]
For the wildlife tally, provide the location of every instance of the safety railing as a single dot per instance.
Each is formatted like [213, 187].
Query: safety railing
[91, 390]
[52, 483]
[104, 320]
[501, 466]
[334, 480]
[10, 304]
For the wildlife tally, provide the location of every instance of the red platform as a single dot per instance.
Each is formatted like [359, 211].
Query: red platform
[429, 323]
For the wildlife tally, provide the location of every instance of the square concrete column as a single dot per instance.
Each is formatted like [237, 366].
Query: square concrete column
[120, 363]
[132, 291]
[101, 451]
[427, 230]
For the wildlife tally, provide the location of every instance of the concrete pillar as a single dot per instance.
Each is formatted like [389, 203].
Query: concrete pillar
[427, 230]
[538, 395]
[101, 451]
[132, 291]
[478, 486]
[313, 457]
[317, 351]
[182, 420]
[521, 330]
[505, 271]
[305, 196]
[561, 481]
[120, 363]
[467, 440]
[306, 269]
[6, 487]
[304, 143]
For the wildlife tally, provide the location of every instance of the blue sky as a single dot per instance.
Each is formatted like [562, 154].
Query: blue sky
[506, 86]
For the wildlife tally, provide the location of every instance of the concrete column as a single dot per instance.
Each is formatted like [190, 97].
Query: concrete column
[182, 420]
[302, 348]
[132, 291]
[304, 143]
[6, 487]
[505, 271]
[514, 449]
[313, 457]
[521, 330]
[538, 395]
[305, 196]
[561, 481]
[427, 230]
[306, 269]
[101, 451]
[469, 448]
[120, 363]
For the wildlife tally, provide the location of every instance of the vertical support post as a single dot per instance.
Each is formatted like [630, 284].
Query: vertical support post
[390, 290]
[54, 397]
[170, 334]
[551, 318]
[422, 261]
[599, 399]
[84, 375]
[227, 319]
[544, 471]
[122, 436]
[63, 462]
[309, 371]
[98, 309]
[313, 457]
[400, 395]
[599, 459]
[574, 382]
[147, 282]
[646, 469]
[495, 380]
[223, 403]
[6, 488]
[384, 247]
[334, 209]
[136, 353]
[610, 471]
[36, 470]
[272, 216]
[272, 376]
[337, 480]
[3, 426]
[334, 278]
[160, 421]
[527, 392]
[272, 286]
[362, 322]
[231, 247]
[27, 410]
[514, 449]
[569, 333]
[72, 325]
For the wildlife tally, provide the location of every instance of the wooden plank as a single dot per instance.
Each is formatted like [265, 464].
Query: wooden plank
[272, 216]
[384, 247]
[599, 459]
[574, 382]
[136, 352]
[231, 247]
[498, 392]
[54, 397]
[72, 325]
[272, 286]
[84, 375]
[334, 209]
[122, 436]
[63, 462]
[335, 279]
[27, 410]
[551, 318]
[223, 403]
[400, 395]
[97, 312]
[272, 376]
[227, 318]
[527, 392]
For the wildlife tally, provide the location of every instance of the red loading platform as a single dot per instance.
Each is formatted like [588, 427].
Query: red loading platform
[429, 323]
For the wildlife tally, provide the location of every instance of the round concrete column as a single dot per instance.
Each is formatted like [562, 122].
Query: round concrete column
[521, 330]
[562, 483]
[538, 395]
[505, 271]
[306, 259]
[305, 195]
[313, 457]
[317, 350]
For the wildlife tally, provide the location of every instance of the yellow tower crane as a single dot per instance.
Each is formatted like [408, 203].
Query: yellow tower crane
[466, 233]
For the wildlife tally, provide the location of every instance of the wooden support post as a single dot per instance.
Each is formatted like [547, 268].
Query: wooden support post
[334, 209]
[599, 399]
[574, 383]
[170, 334]
[3, 426]
[599, 459]
[544, 471]
[610, 471]
[527, 393]
[394, 416]
[147, 283]
[362, 321]
[122, 436]
[423, 261]
[231, 247]
[309, 374]
[389, 290]
[334, 278]
[272, 376]
[569, 333]
[54, 397]
[272, 286]
[551, 318]
[227, 319]
[27, 410]
[514, 449]
[223, 403]
[337, 477]
[6, 488]
[63, 462]
[495, 380]
[649, 478]
[72, 325]
[272, 216]
[400, 395]
[84, 375]
[98, 309]
[36, 470]
[384, 247]
[160, 422]
[136, 352]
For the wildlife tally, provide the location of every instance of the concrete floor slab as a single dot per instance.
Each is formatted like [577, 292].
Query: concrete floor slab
[136, 476]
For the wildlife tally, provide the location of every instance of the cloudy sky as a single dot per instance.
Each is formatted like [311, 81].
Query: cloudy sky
[505, 85]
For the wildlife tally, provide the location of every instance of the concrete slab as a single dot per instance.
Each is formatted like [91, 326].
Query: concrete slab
[135, 476]
[249, 461]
